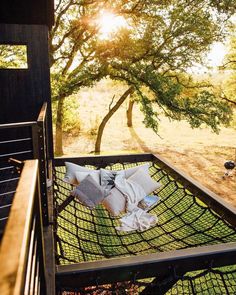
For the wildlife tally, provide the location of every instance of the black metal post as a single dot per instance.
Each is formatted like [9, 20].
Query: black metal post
[43, 171]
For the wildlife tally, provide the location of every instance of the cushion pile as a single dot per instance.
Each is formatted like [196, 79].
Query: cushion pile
[119, 191]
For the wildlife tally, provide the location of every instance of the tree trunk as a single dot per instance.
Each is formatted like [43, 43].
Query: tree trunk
[59, 131]
[129, 113]
[108, 116]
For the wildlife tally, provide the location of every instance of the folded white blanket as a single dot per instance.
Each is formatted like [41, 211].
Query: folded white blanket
[133, 192]
[136, 219]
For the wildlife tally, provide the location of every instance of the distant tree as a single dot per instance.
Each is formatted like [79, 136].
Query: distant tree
[229, 91]
[129, 112]
[161, 41]
[72, 55]
[110, 113]
[13, 56]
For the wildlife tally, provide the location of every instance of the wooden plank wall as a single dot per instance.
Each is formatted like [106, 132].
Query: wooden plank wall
[27, 12]
[23, 91]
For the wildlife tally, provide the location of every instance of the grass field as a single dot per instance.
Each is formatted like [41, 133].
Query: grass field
[197, 152]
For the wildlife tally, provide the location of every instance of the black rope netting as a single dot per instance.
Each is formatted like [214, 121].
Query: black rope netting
[220, 281]
[183, 221]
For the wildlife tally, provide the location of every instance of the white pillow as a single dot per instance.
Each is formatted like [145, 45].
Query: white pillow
[131, 171]
[143, 178]
[88, 192]
[128, 172]
[81, 175]
[115, 202]
[71, 168]
[108, 179]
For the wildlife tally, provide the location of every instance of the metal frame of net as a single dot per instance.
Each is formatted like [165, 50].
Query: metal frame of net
[184, 221]
[211, 281]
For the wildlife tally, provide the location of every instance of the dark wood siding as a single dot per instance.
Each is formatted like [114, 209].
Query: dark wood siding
[23, 91]
[27, 12]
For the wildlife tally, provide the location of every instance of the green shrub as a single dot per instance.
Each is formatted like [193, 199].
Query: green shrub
[233, 121]
[94, 123]
[71, 118]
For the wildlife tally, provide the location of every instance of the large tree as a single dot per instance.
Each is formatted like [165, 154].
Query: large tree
[152, 54]
[228, 89]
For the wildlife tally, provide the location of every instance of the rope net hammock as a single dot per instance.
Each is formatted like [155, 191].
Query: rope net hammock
[184, 221]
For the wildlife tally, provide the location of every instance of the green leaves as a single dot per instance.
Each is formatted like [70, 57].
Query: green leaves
[150, 116]
[205, 108]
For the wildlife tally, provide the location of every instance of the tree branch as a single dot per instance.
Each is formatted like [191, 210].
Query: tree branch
[227, 99]
[112, 100]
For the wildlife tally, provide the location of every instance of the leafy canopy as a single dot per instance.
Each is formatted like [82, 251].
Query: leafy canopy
[161, 41]
[230, 66]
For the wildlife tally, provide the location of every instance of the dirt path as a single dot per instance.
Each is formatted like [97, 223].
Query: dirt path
[206, 169]
[203, 164]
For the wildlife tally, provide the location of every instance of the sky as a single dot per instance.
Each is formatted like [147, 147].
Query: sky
[213, 60]
[217, 54]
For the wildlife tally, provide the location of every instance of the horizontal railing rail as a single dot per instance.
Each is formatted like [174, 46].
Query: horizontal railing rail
[22, 266]
[17, 125]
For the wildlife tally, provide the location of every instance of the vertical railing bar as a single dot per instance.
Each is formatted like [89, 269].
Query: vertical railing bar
[40, 254]
[41, 143]
[39, 288]
[29, 263]
[35, 142]
[43, 175]
[39, 234]
[47, 146]
[34, 260]
[36, 278]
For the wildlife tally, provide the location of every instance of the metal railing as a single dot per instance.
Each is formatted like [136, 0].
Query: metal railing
[22, 266]
[26, 140]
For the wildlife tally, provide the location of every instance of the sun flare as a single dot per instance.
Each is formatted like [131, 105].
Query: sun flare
[110, 23]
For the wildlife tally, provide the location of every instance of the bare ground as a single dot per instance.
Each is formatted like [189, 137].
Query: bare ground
[198, 153]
